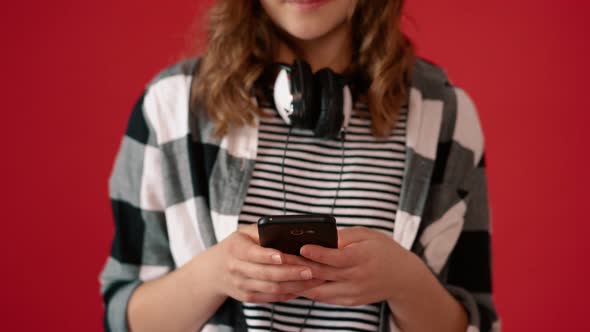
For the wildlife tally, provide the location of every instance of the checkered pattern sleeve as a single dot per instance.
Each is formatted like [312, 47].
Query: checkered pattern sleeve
[467, 273]
[140, 249]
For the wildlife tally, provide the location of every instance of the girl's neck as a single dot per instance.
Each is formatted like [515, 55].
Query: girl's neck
[332, 50]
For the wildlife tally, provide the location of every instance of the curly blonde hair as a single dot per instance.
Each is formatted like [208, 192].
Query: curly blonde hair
[240, 41]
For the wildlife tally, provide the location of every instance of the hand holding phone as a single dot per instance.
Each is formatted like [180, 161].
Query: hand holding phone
[288, 233]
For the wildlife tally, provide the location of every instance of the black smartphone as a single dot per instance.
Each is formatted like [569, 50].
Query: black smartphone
[288, 233]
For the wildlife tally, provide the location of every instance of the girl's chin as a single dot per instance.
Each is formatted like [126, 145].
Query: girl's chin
[306, 35]
[308, 31]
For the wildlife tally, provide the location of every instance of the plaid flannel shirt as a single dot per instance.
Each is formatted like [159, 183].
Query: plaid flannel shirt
[176, 191]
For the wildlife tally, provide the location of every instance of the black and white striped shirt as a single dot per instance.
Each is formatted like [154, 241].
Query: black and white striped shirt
[368, 196]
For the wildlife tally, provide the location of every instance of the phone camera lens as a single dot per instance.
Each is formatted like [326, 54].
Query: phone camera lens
[296, 232]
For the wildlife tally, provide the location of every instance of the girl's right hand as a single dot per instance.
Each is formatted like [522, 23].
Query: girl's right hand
[251, 273]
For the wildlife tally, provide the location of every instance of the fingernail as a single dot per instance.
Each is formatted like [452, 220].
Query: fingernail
[306, 274]
[276, 258]
[303, 252]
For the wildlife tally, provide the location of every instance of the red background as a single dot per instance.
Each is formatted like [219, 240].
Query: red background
[72, 70]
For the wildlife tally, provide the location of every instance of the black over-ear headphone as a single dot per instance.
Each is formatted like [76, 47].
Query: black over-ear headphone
[321, 102]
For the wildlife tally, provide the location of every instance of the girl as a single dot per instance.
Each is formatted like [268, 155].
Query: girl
[301, 106]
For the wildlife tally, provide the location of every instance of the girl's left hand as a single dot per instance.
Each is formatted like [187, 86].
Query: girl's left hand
[367, 267]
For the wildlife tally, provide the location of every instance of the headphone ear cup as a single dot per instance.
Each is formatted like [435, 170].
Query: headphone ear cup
[283, 100]
[302, 89]
[331, 114]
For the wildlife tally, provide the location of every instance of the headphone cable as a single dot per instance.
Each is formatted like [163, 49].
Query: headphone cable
[283, 171]
[342, 149]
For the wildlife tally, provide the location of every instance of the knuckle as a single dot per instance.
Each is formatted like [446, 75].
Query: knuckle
[348, 274]
[267, 274]
[232, 266]
[262, 274]
[235, 266]
[319, 255]
[240, 284]
[294, 287]
[345, 275]
[333, 276]
[274, 288]
[326, 274]
[292, 275]
[317, 274]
